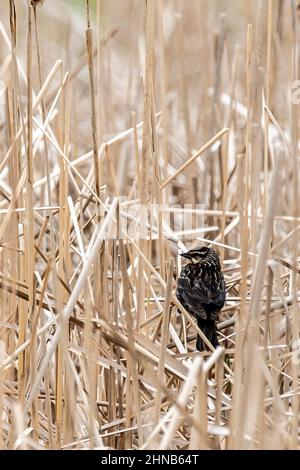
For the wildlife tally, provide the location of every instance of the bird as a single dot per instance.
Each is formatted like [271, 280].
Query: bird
[201, 290]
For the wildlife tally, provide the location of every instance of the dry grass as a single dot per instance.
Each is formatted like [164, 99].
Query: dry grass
[165, 102]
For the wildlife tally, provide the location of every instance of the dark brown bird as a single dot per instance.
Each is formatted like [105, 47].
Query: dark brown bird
[201, 289]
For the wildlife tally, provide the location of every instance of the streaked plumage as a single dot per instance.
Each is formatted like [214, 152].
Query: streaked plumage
[201, 289]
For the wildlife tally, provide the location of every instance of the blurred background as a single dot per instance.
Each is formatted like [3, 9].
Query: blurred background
[200, 52]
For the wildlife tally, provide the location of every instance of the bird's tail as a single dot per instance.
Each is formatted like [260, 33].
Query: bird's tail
[208, 327]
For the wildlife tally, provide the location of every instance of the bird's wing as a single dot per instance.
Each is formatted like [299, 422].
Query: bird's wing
[211, 289]
[189, 298]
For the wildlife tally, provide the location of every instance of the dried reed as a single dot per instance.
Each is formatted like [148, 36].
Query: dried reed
[93, 353]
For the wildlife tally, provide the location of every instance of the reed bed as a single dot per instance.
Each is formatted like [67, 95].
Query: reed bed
[119, 121]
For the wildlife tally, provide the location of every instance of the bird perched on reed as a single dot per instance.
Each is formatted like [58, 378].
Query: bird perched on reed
[201, 289]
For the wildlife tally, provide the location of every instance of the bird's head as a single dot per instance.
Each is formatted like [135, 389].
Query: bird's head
[203, 255]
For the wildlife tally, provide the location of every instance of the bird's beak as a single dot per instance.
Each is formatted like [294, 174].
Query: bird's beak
[186, 255]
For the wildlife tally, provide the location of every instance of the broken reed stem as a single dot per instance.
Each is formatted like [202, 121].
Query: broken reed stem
[147, 148]
[147, 144]
[199, 440]
[164, 336]
[268, 97]
[29, 220]
[203, 149]
[132, 365]
[175, 412]
[225, 151]
[64, 120]
[136, 155]
[90, 48]
[256, 105]
[47, 165]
